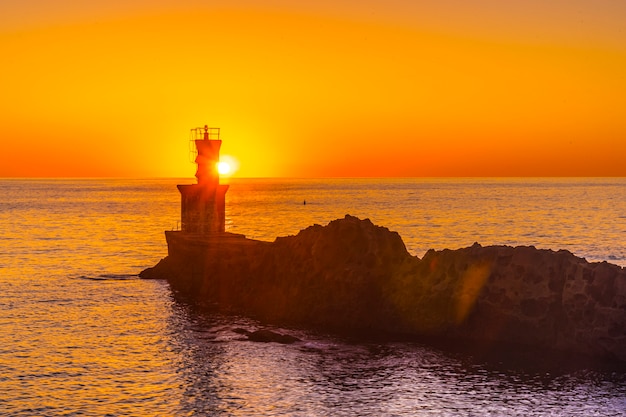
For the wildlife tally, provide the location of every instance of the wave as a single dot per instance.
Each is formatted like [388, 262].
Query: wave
[110, 277]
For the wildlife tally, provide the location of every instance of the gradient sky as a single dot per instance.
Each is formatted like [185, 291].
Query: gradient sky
[314, 88]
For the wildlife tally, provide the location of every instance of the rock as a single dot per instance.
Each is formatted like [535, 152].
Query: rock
[270, 336]
[353, 276]
[267, 336]
[244, 332]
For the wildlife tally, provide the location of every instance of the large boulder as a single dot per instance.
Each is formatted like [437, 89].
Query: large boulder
[520, 295]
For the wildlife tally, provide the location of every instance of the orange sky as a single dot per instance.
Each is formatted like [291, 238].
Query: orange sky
[314, 88]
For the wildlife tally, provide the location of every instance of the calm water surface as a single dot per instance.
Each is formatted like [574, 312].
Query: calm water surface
[81, 335]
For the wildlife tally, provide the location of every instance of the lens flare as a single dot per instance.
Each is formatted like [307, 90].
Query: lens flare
[227, 166]
[223, 168]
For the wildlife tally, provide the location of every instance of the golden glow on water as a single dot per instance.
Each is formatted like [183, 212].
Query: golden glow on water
[582, 215]
[75, 345]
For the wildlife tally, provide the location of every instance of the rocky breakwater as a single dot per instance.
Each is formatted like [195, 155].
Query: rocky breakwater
[354, 276]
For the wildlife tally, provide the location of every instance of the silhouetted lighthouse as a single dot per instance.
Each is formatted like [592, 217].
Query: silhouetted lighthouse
[203, 204]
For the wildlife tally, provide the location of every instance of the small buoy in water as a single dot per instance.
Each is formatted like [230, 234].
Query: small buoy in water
[304, 203]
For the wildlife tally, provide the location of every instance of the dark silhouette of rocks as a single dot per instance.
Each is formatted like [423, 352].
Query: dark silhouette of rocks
[353, 276]
[267, 336]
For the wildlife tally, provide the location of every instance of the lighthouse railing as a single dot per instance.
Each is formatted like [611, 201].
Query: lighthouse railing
[198, 133]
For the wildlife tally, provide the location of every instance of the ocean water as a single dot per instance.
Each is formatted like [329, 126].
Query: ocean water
[80, 335]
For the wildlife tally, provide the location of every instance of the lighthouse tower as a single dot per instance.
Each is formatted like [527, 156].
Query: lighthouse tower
[203, 204]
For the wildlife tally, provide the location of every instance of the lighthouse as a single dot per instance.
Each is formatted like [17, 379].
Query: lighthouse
[203, 205]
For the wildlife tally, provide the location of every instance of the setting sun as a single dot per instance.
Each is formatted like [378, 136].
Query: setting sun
[228, 166]
[223, 168]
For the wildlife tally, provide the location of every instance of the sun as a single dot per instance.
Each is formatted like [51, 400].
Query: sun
[223, 168]
[227, 166]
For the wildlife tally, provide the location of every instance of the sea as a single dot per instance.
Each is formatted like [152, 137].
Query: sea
[82, 335]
